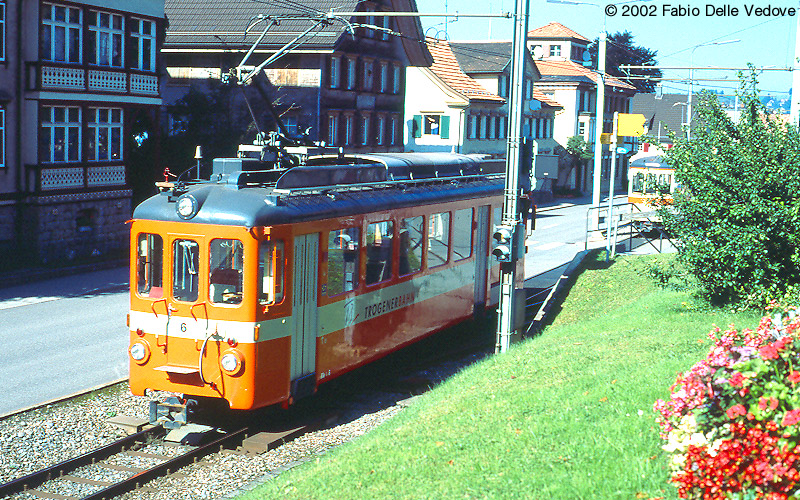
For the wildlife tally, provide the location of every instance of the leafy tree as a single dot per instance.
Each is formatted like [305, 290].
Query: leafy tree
[737, 216]
[620, 50]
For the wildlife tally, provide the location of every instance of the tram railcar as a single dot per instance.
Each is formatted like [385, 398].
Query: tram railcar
[263, 282]
[651, 182]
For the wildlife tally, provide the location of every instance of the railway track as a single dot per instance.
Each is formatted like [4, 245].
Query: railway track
[116, 468]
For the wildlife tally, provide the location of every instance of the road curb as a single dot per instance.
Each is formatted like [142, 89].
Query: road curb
[61, 399]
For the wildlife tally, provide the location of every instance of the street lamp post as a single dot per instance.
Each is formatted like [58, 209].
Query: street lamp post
[691, 82]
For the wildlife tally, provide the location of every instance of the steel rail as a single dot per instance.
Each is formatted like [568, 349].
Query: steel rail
[55, 471]
[165, 468]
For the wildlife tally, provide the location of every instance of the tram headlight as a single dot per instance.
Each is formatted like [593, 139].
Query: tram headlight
[140, 352]
[232, 362]
[186, 206]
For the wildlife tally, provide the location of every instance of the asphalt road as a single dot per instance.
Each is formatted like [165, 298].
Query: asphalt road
[68, 335]
[62, 336]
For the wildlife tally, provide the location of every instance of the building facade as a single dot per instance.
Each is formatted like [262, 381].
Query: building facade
[74, 79]
[460, 104]
[561, 55]
[344, 86]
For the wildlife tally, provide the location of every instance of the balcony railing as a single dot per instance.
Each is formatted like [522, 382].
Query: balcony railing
[49, 76]
[55, 177]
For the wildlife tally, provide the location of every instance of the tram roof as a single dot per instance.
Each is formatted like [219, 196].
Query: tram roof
[650, 162]
[322, 189]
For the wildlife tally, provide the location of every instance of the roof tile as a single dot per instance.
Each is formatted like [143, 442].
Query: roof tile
[555, 30]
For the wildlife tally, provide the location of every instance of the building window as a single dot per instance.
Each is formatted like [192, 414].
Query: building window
[368, 80]
[492, 126]
[348, 130]
[60, 37]
[501, 126]
[105, 134]
[384, 78]
[143, 46]
[2, 31]
[332, 130]
[351, 73]
[555, 50]
[536, 51]
[364, 130]
[393, 121]
[60, 134]
[473, 127]
[396, 79]
[105, 39]
[2, 138]
[336, 67]
[582, 129]
[381, 130]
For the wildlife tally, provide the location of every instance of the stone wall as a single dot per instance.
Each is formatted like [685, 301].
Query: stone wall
[81, 228]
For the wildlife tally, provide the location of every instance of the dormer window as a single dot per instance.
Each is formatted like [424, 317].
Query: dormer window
[555, 50]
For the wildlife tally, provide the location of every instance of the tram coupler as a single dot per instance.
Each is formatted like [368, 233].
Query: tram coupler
[170, 413]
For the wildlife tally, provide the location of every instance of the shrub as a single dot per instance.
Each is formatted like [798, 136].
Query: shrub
[732, 422]
[737, 215]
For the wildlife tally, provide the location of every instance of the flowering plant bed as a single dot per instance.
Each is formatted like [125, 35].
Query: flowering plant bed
[732, 422]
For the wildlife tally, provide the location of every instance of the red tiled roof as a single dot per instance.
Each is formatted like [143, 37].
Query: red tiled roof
[567, 68]
[542, 98]
[446, 67]
[555, 30]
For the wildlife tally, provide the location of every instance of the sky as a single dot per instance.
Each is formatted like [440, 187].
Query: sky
[765, 39]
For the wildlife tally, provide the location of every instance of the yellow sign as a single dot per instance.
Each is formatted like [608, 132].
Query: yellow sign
[630, 124]
[605, 138]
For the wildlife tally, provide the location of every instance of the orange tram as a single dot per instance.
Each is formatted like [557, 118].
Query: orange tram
[262, 283]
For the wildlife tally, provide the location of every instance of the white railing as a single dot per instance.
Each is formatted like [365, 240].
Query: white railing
[113, 175]
[61, 178]
[107, 80]
[63, 78]
[144, 84]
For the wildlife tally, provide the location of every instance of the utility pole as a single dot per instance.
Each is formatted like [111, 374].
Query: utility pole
[600, 104]
[510, 235]
[795, 109]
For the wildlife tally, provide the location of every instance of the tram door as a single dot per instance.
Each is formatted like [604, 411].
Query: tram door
[304, 314]
[481, 257]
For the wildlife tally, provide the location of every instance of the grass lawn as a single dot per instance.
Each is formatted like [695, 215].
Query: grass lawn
[566, 414]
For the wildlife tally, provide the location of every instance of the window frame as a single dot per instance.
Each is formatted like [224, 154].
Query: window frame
[277, 258]
[67, 125]
[113, 131]
[115, 59]
[237, 248]
[138, 41]
[433, 220]
[384, 276]
[356, 274]
[52, 24]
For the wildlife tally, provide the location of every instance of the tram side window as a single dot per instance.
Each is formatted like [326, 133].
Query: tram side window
[270, 272]
[149, 264]
[343, 269]
[380, 236]
[185, 263]
[462, 234]
[226, 263]
[438, 239]
[638, 183]
[411, 231]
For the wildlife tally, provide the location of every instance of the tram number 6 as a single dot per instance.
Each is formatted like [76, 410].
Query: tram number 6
[183, 327]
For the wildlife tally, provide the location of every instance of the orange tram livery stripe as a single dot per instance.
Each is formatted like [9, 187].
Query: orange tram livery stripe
[259, 285]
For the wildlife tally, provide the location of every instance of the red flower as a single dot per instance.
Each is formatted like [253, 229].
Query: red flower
[736, 410]
[794, 377]
[736, 379]
[768, 352]
[791, 418]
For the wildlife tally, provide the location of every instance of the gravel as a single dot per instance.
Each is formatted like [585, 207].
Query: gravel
[44, 436]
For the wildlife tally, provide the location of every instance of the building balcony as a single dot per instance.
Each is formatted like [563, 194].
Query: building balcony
[58, 77]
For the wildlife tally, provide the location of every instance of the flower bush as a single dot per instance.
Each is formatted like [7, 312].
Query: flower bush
[732, 422]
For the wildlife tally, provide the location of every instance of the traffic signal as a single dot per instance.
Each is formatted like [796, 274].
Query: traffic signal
[503, 243]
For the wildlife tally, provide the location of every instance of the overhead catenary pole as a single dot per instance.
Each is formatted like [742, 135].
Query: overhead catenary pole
[511, 222]
[794, 115]
[598, 146]
[612, 173]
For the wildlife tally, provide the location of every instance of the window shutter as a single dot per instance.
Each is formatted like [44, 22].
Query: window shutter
[444, 127]
[417, 127]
